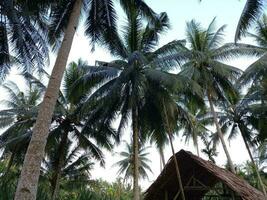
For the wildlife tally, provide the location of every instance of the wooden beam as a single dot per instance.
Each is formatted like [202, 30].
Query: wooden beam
[196, 188]
[188, 183]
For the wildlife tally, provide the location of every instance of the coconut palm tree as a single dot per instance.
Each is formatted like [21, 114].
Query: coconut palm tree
[75, 167]
[236, 117]
[210, 149]
[126, 164]
[202, 62]
[124, 94]
[100, 26]
[163, 113]
[254, 77]
[17, 120]
[250, 173]
[69, 122]
[196, 128]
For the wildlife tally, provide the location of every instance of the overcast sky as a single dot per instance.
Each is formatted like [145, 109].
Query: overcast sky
[179, 12]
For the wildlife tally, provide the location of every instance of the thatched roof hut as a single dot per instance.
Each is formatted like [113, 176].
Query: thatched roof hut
[200, 178]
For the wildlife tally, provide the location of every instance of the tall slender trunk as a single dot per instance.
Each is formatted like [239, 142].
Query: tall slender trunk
[219, 132]
[162, 158]
[136, 149]
[240, 126]
[28, 182]
[173, 154]
[160, 164]
[57, 177]
[197, 147]
[195, 141]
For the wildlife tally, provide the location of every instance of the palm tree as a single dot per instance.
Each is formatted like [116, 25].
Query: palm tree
[252, 11]
[153, 116]
[126, 164]
[17, 119]
[236, 115]
[124, 84]
[22, 37]
[210, 149]
[163, 113]
[196, 128]
[250, 173]
[255, 78]
[68, 123]
[100, 26]
[202, 62]
[74, 170]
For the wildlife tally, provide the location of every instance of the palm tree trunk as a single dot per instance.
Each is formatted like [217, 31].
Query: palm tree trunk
[197, 147]
[195, 141]
[56, 179]
[173, 154]
[252, 160]
[162, 158]
[160, 164]
[177, 168]
[136, 149]
[219, 132]
[28, 182]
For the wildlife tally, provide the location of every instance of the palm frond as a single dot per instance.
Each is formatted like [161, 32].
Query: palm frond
[251, 12]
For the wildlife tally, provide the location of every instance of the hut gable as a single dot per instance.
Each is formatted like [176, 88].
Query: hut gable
[199, 177]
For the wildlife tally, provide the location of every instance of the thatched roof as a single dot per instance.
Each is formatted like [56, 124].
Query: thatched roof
[205, 172]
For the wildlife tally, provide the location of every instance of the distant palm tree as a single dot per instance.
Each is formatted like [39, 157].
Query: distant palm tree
[74, 168]
[249, 173]
[18, 119]
[202, 62]
[196, 129]
[236, 117]
[196, 132]
[64, 17]
[210, 149]
[126, 164]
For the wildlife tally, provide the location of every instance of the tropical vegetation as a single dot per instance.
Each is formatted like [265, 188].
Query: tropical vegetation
[58, 127]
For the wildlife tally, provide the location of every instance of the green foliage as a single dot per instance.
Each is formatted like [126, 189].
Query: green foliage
[22, 41]
[95, 190]
[139, 79]
[71, 146]
[252, 10]
[248, 172]
[109, 191]
[126, 164]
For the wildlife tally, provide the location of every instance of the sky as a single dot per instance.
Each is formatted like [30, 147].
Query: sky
[179, 12]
